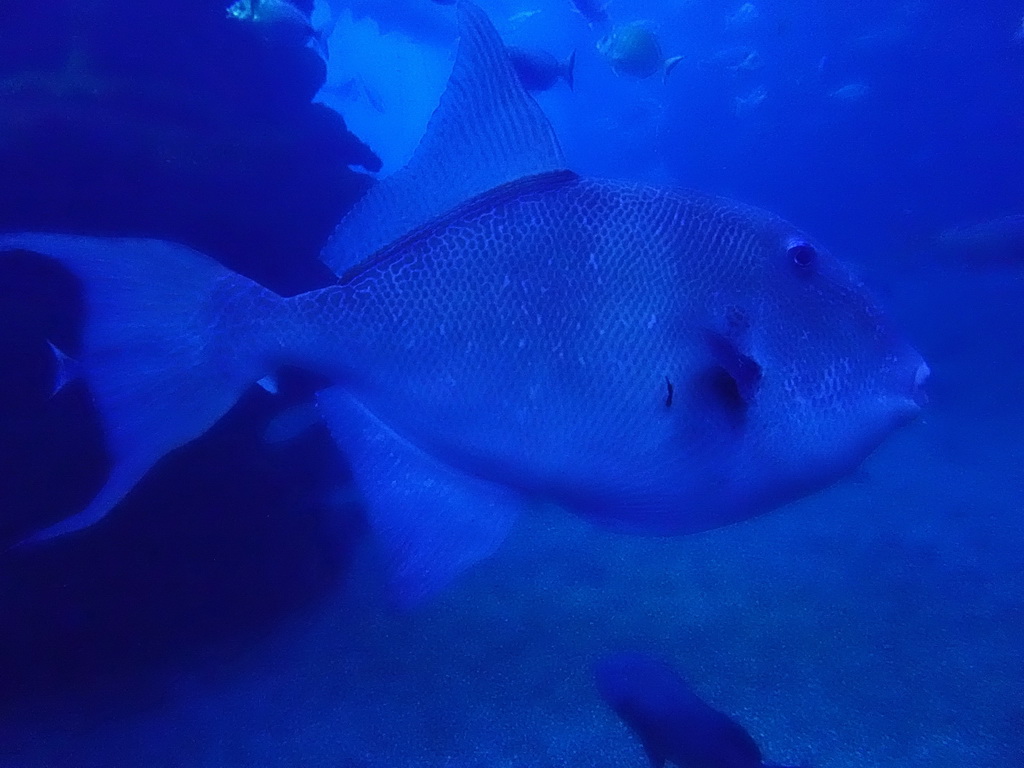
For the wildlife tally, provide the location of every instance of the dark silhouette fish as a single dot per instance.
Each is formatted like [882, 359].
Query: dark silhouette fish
[503, 331]
[672, 722]
[592, 10]
[538, 70]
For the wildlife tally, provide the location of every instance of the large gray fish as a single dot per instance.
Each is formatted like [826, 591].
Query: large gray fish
[505, 331]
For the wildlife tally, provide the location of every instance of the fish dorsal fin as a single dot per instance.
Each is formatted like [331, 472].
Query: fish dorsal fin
[486, 131]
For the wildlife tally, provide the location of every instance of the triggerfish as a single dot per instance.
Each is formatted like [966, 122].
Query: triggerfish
[505, 332]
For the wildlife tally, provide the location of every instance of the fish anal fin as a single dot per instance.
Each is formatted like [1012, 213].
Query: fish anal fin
[432, 521]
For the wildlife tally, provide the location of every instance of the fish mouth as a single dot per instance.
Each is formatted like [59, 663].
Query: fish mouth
[906, 407]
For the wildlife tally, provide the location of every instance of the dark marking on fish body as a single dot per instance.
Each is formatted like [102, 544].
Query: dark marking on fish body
[669, 392]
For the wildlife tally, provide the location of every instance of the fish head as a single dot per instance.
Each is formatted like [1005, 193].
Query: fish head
[806, 371]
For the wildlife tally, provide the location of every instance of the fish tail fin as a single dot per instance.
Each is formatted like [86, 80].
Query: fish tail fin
[319, 43]
[569, 70]
[161, 353]
[670, 64]
[322, 34]
[332, 22]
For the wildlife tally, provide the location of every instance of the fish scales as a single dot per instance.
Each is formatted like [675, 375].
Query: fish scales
[528, 337]
[497, 327]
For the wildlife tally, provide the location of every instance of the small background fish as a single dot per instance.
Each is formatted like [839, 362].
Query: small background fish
[281, 22]
[539, 70]
[633, 50]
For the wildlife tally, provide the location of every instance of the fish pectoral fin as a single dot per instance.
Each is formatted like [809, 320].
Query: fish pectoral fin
[433, 522]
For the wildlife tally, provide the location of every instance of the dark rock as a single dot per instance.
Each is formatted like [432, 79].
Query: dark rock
[121, 117]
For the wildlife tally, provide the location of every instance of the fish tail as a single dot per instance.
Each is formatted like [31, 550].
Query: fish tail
[162, 353]
[320, 36]
[570, 68]
[319, 43]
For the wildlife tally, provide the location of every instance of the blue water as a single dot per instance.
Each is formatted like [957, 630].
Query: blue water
[231, 612]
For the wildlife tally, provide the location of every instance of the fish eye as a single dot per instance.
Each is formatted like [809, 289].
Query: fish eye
[802, 254]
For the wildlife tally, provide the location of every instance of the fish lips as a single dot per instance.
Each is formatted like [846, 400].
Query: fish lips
[908, 406]
[921, 376]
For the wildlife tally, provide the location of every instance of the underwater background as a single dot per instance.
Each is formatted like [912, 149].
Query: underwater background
[231, 612]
